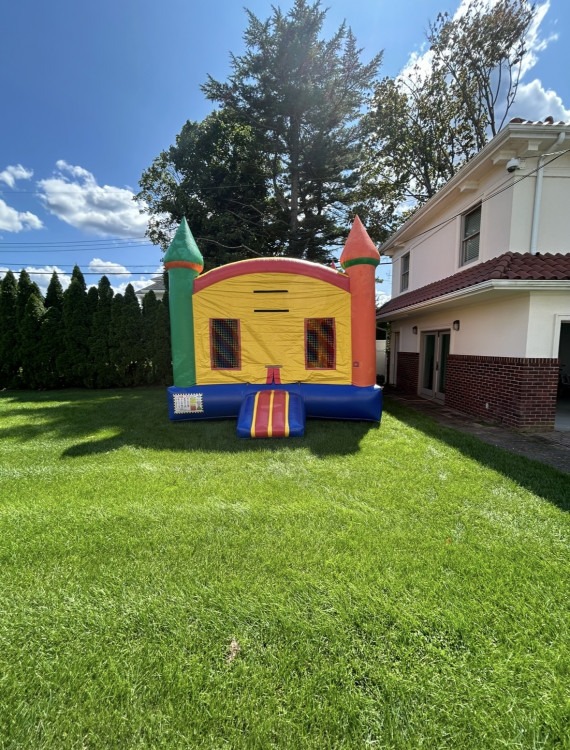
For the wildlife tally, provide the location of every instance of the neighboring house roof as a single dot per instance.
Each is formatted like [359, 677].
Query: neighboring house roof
[156, 286]
[508, 266]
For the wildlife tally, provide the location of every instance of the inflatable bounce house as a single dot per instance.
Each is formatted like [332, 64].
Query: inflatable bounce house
[275, 340]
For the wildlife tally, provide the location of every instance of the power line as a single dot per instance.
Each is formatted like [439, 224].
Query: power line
[129, 243]
[111, 242]
[94, 273]
[153, 274]
[51, 267]
[265, 181]
[57, 268]
[488, 197]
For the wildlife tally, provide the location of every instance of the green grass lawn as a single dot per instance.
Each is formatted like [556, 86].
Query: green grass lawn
[169, 586]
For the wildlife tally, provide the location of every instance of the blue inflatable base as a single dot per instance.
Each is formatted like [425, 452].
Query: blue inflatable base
[321, 401]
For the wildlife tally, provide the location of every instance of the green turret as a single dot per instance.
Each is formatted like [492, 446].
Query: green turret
[184, 262]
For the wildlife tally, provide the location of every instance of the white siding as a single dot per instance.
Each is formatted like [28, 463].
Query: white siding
[490, 329]
[494, 329]
[547, 311]
[507, 206]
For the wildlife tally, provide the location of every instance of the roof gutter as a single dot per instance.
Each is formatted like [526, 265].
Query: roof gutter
[511, 285]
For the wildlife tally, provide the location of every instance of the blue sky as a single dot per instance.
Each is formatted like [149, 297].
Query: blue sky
[92, 92]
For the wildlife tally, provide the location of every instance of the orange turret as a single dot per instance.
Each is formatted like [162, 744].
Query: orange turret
[359, 259]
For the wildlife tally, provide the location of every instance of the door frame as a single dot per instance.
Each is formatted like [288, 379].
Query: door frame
[442, 342]
[394, 351]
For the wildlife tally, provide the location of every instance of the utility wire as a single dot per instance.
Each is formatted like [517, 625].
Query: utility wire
[488, 197]
[82, 242]
[135, 242]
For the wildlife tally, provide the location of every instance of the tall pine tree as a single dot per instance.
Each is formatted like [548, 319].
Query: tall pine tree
[282, 150]
[9, 337]
[51, 334]
[73, 360]
[99, 353]
[156, 329]
[31, 369]
[54, 293]
[132, 346]
[303, 95]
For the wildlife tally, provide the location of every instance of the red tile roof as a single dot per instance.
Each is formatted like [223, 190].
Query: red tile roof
[547, 121]
[547, 266]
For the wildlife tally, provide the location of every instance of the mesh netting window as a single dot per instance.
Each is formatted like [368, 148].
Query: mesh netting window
[320, 344]
[224, 344]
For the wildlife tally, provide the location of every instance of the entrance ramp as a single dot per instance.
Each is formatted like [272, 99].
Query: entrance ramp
[271, 414]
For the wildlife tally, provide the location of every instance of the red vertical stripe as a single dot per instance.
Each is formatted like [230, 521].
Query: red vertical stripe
[262, 415]
[279, 407]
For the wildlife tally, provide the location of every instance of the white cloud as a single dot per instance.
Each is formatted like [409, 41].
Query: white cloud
[533, 41]
[74, 171]
[418, 65]
[12, 220]
[534, 102]
[74, 196]
[15, 172]
[107, 267]
[123, 276]
[382, 298]
[42, 276]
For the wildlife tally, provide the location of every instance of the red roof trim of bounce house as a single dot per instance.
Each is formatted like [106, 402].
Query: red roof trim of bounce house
[272, 265]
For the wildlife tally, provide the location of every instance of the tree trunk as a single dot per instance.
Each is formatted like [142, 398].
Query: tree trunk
[294, 250]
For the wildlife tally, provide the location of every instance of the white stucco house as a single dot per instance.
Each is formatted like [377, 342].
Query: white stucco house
[480, 308]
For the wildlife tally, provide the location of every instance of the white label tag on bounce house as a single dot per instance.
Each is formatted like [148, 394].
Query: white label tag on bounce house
[188, 403]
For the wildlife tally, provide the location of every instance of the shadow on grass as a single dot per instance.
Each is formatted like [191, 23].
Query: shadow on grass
[540, 479]
[96, 422]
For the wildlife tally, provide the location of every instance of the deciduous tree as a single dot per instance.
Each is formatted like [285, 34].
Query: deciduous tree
[429, 121]
[214, 176]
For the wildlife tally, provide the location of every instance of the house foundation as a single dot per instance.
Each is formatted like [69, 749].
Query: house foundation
[408, 369]
[518, 392]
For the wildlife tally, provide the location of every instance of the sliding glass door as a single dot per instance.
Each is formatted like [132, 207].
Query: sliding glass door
[435, 351]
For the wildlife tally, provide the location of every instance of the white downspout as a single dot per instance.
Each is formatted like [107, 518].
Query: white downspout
[538, 195]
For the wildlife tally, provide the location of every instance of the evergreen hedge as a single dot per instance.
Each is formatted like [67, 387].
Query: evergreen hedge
[79, 337]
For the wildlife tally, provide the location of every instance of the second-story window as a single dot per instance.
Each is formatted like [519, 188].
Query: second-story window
[471, 232]
[405, 272]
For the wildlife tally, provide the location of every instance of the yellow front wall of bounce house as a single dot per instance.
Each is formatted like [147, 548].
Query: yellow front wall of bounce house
[272, 338]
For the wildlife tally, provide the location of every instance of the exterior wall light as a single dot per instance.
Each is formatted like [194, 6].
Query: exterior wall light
[415, 329]
[456, 325]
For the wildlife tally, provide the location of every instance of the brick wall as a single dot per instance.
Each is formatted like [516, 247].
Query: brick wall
[408, 369]
[518, 392]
